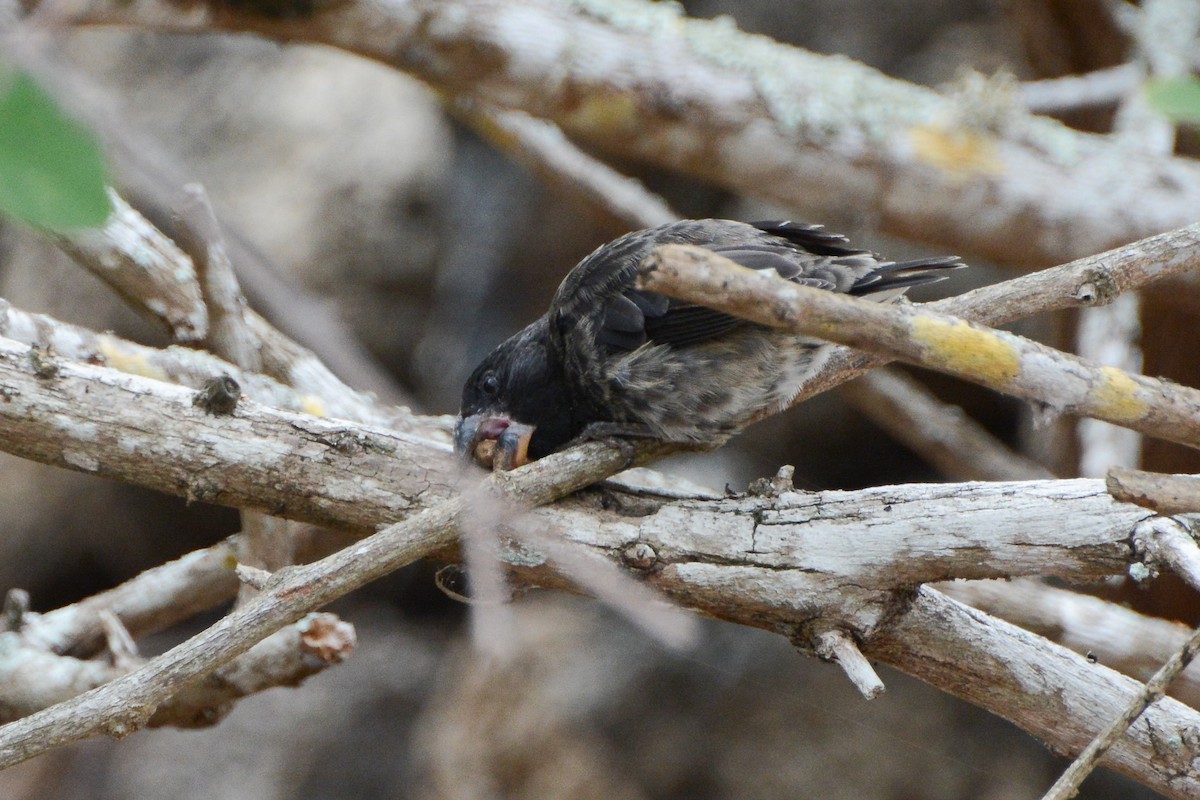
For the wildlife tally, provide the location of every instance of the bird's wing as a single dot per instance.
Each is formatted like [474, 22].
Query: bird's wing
[803, 254]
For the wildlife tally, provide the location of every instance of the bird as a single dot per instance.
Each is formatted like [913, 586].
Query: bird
[611, 360]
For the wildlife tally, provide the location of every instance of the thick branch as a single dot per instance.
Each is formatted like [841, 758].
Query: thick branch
[1046, 688]
[193, 368]
[1155, 689]
[128, 702]
[1115, 636]
[760, 118]
[783, 580]
[322, 469]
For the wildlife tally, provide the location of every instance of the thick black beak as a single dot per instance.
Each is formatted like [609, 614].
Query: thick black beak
[493, 441]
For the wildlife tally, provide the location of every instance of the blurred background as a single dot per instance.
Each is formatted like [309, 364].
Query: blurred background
[347, 182]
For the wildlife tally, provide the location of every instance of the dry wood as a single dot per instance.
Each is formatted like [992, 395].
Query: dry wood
[1111, 634]
[1089, 281]
[942, 434]
[760, 118]
[692, 558]
[975, 655]
[1166, 494]
[1068, 783]
[157, 278]
[1164, 541]
[542, 147]
[996, 359]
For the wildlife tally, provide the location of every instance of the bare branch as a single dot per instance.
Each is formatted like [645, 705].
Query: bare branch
[129, 701]
[1111, 634]
[153, 274]
[35, 679]
[1095, 280]
[996, 359]
[193, 368]
[265, 541]
[1166, 494]
[544, 150]
[958, 446]
[285, 658]
[148, 603]
[238, 460]
[323, 469]
[1045, 686]
[230, 335]
[1102, 87]
[754, 116]
[1108, 335]
[128, 254]
[1068, 783]
[726, 558]
[1164, 541]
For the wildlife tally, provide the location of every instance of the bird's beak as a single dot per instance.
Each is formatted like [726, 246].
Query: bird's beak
[493, 441]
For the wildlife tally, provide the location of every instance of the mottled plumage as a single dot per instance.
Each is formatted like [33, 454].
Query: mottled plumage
[608, 357]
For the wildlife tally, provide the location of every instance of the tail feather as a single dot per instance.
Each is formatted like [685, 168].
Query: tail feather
[905, 274]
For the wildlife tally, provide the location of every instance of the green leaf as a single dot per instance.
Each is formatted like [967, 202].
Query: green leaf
[51, 170]
[1177, 98]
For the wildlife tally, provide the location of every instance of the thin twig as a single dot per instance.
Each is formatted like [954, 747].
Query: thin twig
[943, 434]
[230, 335]
[837, 646]
[1101, 87]
[543, 148]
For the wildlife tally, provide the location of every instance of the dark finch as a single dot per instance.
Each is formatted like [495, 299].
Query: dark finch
[608, 358]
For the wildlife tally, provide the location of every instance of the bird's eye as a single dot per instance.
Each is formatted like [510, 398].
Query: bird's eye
[490, 384]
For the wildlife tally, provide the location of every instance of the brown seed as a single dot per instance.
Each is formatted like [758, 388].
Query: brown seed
[485, 452]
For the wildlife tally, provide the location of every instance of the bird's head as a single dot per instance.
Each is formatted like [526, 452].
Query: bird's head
[516, 405]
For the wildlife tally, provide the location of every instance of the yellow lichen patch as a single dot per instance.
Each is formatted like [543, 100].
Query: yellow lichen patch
[133, 362]
[607, 111]
[958, 151]
[311, 404]
[1115, 393]
[966, 350]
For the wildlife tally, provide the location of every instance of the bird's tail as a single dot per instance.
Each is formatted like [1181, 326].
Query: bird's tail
[893, 279]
